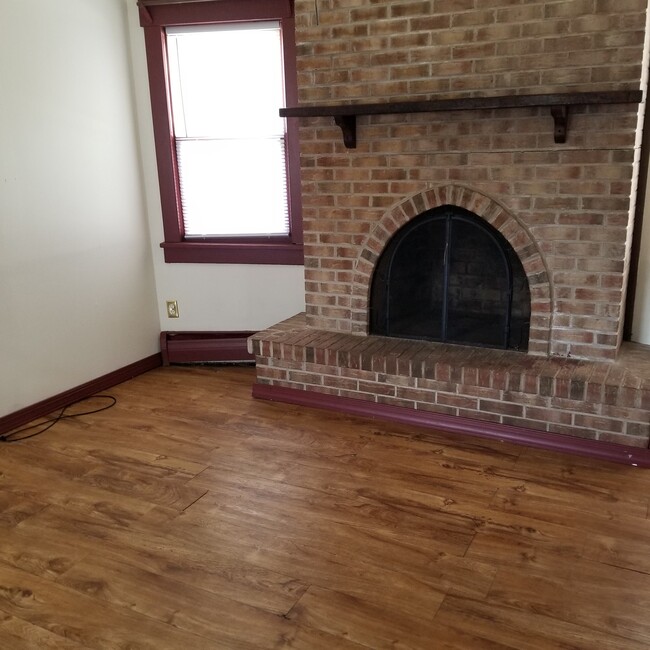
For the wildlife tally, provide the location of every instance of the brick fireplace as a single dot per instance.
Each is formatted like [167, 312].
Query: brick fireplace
[565, 208]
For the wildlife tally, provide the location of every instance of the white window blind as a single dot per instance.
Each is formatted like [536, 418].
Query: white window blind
[226, 85]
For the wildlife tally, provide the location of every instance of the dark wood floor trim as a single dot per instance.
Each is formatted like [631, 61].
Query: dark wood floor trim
[199, 347]
[552, 441]
[47, 406]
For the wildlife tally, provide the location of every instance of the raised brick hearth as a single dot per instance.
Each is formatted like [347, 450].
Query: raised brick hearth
[590, 399]
[566, 209]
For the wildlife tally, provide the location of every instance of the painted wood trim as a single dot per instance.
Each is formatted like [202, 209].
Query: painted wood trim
[180, 12]
[154, 17]
[45, 407]
[636, 456]
[206, 252]
[199, 347]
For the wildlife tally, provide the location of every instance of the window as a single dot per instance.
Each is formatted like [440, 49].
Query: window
[228, 168]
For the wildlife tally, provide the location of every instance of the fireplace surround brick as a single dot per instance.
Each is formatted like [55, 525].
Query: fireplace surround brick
[573, 202]
[566, 209]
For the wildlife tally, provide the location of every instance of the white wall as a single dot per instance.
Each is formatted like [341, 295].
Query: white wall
[641, 320]
[211, 297]
[77, 295]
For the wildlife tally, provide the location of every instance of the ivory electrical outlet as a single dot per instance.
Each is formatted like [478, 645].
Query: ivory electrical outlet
[172, 309]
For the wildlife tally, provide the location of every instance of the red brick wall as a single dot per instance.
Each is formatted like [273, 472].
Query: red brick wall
[352, 51]
[573, 200]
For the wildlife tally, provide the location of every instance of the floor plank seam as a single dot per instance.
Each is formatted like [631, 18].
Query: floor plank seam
[187, 507]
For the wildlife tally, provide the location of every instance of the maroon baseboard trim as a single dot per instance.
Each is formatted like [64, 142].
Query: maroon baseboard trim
[609, 451]
[47, 406]
[199, 347]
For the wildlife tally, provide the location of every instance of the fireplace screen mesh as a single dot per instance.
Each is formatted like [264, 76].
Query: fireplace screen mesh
[449, 276]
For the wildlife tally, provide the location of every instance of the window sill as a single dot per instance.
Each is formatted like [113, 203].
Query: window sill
[235, 253]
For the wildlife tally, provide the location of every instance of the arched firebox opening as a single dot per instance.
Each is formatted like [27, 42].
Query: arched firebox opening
[449, 276]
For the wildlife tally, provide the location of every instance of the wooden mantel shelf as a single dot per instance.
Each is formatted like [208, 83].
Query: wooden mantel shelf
[345, 115]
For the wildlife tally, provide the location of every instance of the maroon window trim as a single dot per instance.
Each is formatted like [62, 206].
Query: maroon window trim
[232, 250]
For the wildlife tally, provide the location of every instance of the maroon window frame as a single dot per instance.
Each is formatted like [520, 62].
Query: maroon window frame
[154, 18]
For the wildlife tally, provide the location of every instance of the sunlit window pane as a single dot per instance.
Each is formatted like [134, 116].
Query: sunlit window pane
[226, 84]
[233, 187]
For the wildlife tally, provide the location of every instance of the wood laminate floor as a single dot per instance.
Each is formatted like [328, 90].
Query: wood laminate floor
[191, 516]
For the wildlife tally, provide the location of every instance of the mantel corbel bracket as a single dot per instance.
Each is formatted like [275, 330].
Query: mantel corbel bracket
[560, 115]
[348, 125]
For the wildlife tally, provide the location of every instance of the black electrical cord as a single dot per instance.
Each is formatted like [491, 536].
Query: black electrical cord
[14, 436]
